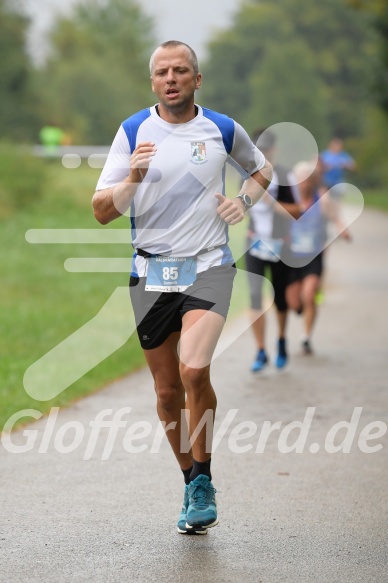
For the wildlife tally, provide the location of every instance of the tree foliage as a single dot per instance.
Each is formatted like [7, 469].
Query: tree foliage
[293, 60]
[275, 102]
[15, 72]
[379, 10]
[376, 6]
[97, 74]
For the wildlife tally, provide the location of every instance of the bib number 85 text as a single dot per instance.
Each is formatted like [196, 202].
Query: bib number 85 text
[170, 273]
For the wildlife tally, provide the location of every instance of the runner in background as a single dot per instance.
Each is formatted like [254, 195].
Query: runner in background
[51, 137]
[335, 164]
[308, 237]
[268, 240]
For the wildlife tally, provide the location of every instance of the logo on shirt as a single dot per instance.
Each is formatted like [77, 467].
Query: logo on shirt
[198, 152]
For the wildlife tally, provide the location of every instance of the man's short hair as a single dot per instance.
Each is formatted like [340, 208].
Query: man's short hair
[176, 43]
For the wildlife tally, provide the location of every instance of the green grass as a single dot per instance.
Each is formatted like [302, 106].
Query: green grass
[376, 199]
[42, 304]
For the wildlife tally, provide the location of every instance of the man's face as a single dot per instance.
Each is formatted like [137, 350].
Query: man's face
[336, 145]
[173, 78]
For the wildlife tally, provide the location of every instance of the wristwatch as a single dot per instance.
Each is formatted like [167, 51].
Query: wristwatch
[246, 199]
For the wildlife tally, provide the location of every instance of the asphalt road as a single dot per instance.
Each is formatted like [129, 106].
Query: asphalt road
[314, 516]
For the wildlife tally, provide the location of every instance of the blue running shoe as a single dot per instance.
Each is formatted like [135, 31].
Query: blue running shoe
[181, 526]
[202, 508]
[260, 362]
[281, 359]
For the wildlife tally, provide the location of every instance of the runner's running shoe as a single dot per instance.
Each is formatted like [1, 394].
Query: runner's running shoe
[260, 362]
[306, 347]
[281, 359]
[181, 526]
[202, 508]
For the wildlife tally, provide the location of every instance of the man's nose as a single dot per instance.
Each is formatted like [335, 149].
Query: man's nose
[170, 75]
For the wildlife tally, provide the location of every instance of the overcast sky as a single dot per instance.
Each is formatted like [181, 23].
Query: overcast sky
[191, 22]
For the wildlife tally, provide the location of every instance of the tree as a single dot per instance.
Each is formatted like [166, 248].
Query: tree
[15, 70]
[233, 54]
[379, 10]
[272, 102]
[97, 74]
[376, 6]
[324, 48]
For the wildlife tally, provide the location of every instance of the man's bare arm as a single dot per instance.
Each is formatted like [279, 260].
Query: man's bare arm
[256, 185]
[111, 203]
[232, 211]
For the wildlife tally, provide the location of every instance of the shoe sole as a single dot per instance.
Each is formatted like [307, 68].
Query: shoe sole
[191, 531]
[197, 527]
[283, 365]
[256, 370]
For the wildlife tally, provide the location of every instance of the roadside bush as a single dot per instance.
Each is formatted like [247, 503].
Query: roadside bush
[23, 178]
[369, 150]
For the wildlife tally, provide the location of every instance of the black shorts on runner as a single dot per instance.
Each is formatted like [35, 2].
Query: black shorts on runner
[279, 279]
[315, 267]
[158, 314]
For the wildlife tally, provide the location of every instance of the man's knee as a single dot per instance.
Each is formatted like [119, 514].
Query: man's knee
[169, 396]
[308, 298]
[309, 293]
[194, 379]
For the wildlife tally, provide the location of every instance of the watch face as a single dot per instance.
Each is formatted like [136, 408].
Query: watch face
[247, 200]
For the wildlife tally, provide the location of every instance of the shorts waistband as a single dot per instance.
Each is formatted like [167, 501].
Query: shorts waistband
[146, 254]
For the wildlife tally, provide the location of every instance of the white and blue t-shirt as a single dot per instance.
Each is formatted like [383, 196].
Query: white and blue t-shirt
[174, 211]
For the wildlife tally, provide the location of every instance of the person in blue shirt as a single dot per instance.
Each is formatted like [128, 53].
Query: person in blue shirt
[335, 164]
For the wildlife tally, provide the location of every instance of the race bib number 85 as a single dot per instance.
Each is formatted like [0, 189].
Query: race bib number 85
[170, 274]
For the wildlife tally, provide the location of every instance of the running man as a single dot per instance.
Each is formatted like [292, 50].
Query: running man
[166, 165]
[268, 246]
[308, 236]
[335, 164]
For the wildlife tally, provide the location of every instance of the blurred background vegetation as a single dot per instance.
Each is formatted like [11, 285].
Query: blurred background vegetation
[323, 65]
